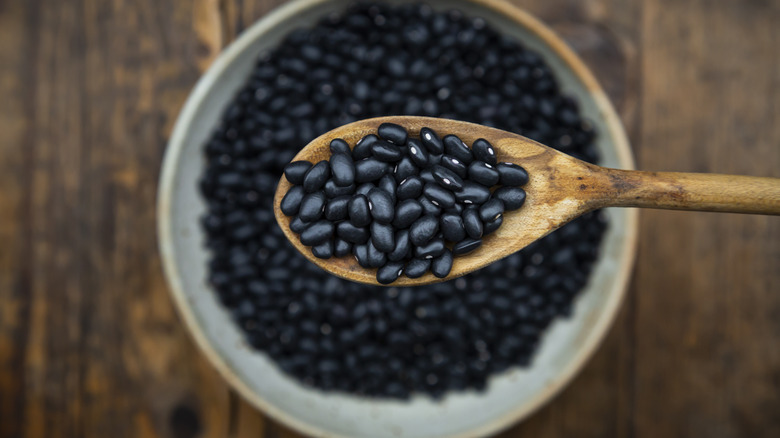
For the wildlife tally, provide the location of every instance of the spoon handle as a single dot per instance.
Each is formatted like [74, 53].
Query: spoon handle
[690, 191]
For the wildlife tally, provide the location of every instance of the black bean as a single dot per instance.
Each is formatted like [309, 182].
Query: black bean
[434, 159]
[427, 176]
[410, 188]
[447, 178]
[423, 230]
[416, 268]
[370, 169]
[291, 202]
[317, 233]
[243, 232]
[428, 206]
[343, 169]
[392, 133]
[406, 213]
[364, 188]
[442, 265]
[483, 151]
[376, 258]
[337, 208]
[382, 236]
[491, 210]
[416, 152]
[512, 197]
[388, 184]
[455, 165]
[315, 177]
[452, 227]
[264, 183]
[564, 257]
[483, 173]
[295, 171]
[404, 169]
[455, 147]
[472, 223]
[439, 196]
[493, 225]
[455, 209]
[312, 206]
[472, 193]
[359, 211]
[431, 141]
[352, 234]
[512, 174]
[297, 225]
[341, 247]
[430, 250]
[363, 147]
[466, 246]
[324, 250]
[389, 272]
[381, 206]
[361, 255]
[339, 146]
[333, 191]
[402, 246]
[387, 152]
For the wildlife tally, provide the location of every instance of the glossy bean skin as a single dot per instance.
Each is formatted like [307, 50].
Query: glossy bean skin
[316, 176]
[423, 230]
[512, 175]
[410, 188]
[342, 169]
[291, 202]
[415, 268]
[392, 133]
[295, 171]
[359, 211]
[339, 146]
[455, 147]
[430, 139]
[512, 197]
[406, 213]
[483, 151]
[472, 222]
[442, 265]
[466, 246]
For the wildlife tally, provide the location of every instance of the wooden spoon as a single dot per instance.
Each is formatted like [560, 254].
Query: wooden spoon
[560, 189]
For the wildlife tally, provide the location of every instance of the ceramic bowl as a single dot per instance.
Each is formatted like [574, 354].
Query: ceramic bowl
[510, 396]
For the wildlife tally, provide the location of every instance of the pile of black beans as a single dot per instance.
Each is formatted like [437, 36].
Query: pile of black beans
[378, 60]
[401, 204]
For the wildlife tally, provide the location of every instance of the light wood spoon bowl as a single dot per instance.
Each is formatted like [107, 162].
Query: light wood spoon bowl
[560, 189]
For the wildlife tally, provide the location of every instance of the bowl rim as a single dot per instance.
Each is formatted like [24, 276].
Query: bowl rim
[175, 147]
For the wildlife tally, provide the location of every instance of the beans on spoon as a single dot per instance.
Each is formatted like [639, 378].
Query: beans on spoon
[428, 227]
[558, 189]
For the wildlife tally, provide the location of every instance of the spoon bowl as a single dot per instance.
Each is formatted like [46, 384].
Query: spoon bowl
[560, 188]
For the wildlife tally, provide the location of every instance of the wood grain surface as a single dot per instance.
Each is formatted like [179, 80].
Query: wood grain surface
[90, 345]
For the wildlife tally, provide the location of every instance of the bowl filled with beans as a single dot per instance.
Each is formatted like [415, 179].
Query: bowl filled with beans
[329, 357]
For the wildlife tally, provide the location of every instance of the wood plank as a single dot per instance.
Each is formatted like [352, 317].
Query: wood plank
[248, 421]
[707, 306]
[15, 44]
[89, 336]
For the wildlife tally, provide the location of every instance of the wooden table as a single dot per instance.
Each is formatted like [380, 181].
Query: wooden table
[90, 344]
